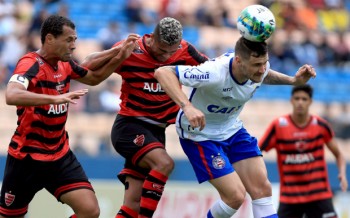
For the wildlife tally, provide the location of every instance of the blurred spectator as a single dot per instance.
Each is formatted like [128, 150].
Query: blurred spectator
[78, 147]
[307, 17]
[334, 18]
[4, 74]
[135, 12]
[105, 146]
[14, 47]
[7, 18]
[109, 35]
[37, 20]
[109, 97]
[342, 121]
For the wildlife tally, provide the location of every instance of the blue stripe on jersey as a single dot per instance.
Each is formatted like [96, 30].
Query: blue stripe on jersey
[177, 71]
[209, 215]
[271, 216]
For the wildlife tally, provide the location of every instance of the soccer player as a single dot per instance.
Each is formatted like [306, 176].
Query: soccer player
[138, 133]
[299, 139]
[39, 155]
[219, 148]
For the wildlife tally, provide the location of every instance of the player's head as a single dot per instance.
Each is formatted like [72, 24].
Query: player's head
[301, 99]
[251, 58]
[58, 35]
[166, 38]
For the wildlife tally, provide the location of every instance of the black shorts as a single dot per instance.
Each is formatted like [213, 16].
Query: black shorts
[24, 178]
[315, 209]
[133, 138]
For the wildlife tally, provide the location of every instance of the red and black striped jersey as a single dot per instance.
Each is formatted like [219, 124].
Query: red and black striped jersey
[301, 158]
[41, 129]
[142, 95]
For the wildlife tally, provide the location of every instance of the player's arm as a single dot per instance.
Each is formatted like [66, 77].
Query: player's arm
[17, 94]
[169, 82]
[268, 139]
[102, 64]
[301, 76]
[341, 163]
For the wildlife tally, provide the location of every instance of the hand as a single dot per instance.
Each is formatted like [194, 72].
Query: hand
[343, 182]
[304, 74]
[70, 96]
[194, 116]
[128, 46]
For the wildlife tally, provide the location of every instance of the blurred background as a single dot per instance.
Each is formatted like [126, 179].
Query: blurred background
[316, 32]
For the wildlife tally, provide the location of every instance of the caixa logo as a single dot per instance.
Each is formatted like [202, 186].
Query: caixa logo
[222, 110]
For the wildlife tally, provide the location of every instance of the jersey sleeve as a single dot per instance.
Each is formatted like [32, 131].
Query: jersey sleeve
[26, 72]
[77, 70]
[205, 74]
[327, 129]
[194, 57]
[268, 140]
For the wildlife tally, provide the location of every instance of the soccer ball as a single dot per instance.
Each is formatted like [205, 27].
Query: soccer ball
[256, 23]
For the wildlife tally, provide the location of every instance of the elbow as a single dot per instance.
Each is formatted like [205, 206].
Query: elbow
[157, 73]
[10, 100]
[94, 82]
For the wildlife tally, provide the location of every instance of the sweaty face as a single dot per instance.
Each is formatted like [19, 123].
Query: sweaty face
[161, 51]
[254, 68]
[301, 102]
[64, 45]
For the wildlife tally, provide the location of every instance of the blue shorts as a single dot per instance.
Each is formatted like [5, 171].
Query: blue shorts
[213, 159]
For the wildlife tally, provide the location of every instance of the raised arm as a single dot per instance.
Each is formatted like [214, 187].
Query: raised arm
[301, 76]
[341, 164]
[17, 94]
[169, 82]
[102, 64]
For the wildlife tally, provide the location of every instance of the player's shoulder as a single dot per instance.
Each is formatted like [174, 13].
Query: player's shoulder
[282, 121]
[317, 120]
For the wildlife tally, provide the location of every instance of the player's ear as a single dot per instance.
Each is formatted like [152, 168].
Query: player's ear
[238, 59]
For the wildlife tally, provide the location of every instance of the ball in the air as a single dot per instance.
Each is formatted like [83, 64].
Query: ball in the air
[256, 23]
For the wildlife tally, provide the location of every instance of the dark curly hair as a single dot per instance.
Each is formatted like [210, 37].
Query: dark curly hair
[169, 31]
[54, 25]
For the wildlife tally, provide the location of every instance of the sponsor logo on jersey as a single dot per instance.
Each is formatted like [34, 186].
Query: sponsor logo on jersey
[60, 88]
[283, 121]
[41, 62]
[9, 198]
[152, 87]
[227, 89]
[300, 145]
[218, 162]
[299, 158]
[58, 108]
[139, 140]
[196, 74]
[158, 187]
[57, 76]
[222, 110]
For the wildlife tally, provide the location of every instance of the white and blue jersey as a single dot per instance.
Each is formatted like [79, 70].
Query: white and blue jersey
[224, 140]
[218, 95]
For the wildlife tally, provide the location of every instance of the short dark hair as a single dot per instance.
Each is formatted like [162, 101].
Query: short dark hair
[306, 88]
[246, 48]
[168, 30]
[54, 25]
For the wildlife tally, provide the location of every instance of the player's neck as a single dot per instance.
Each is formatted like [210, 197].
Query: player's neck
[301, 120]
[236, 73]
[47, 58]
